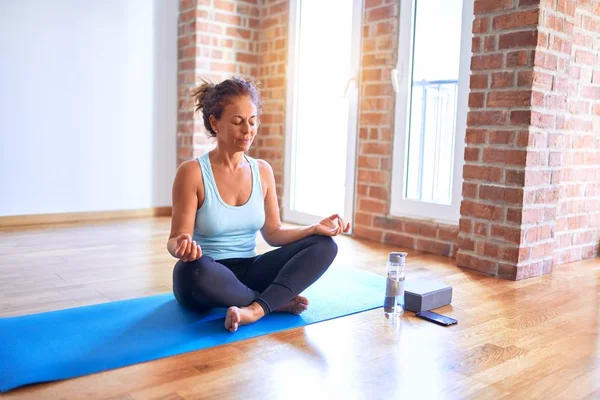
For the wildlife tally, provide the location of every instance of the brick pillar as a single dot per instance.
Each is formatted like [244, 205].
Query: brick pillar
[531, 157]
[217, 39]
[498, 165]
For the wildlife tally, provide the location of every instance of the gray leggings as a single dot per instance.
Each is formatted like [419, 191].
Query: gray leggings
[270, 279]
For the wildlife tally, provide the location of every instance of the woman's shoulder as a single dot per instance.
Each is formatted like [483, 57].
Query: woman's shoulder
[189, 166]
[189, 171]
[263, 166]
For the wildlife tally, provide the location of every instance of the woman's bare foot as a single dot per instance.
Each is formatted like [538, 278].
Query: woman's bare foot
[238, 316]
[296, 305]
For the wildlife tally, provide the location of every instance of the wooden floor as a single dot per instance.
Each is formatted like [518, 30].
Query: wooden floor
[537, 338]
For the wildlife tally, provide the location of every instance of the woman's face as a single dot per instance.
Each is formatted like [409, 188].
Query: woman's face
[238, 124]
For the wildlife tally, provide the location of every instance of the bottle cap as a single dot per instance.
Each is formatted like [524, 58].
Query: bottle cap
[397, 257]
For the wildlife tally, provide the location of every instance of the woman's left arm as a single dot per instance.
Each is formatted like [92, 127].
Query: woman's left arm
[272, 231]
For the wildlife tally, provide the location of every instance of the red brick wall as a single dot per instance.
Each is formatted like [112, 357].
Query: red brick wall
[217, 39]
[498, 166]
[532, 157]
[568, 54]
[220, 38]
[519, 197]
[532, 165]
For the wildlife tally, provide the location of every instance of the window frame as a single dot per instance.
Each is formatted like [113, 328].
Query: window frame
[400, 206]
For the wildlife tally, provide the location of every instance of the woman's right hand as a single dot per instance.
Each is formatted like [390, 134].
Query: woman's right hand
[187, 249]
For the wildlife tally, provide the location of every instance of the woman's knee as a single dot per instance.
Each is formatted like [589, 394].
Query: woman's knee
[189, 274]
[189, 282]
[326, 246]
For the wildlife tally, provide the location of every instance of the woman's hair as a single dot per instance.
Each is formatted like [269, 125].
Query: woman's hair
[212, 98]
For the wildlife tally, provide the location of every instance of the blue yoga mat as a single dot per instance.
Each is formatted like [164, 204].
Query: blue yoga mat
[79, 341]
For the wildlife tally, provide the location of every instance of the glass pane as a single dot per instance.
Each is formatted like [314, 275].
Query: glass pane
[432, 113]
[320, 134]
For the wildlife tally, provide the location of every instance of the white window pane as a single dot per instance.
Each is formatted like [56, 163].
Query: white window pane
[321, 130]
[432, 113]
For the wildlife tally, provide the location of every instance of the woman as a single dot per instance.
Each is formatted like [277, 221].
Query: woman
[220, 201]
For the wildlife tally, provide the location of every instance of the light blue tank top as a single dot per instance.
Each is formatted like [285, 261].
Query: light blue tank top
[225, 231]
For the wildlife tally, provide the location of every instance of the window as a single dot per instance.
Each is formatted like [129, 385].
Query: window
[432, 84]
[322, 109]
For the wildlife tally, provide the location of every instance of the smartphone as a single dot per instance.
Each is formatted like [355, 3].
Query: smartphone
[436, 318]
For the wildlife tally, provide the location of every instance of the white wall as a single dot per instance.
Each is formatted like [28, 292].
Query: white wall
[88, 105]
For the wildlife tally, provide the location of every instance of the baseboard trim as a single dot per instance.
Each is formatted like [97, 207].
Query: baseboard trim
[61, 218]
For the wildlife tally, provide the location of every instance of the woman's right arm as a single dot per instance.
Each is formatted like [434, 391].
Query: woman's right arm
[188, 192]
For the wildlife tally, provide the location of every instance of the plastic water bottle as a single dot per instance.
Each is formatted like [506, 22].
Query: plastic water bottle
[393, 305]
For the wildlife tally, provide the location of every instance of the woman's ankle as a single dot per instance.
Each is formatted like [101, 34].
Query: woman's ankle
[256, 310]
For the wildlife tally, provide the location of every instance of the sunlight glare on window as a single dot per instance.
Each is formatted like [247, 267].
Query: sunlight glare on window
[321, 134]
[432, 112]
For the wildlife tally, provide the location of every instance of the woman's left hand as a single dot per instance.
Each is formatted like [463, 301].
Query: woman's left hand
[332, 226]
